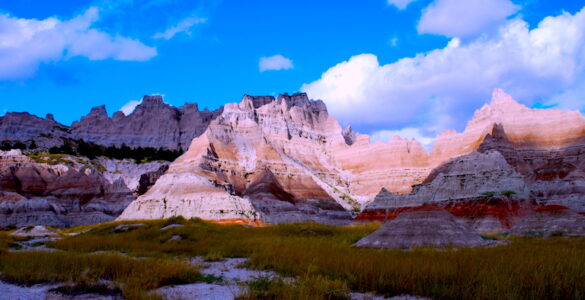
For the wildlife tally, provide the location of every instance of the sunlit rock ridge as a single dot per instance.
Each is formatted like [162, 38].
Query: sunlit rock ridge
[285, 159]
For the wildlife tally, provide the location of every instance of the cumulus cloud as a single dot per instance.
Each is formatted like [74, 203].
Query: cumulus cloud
[182, 27]
[400, 4]
[275, 63]
[440, 89]
[129, 107]
[408, 132]
[26, 43]
[456, 18]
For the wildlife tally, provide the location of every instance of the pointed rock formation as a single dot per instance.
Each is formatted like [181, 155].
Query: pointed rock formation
[262, 159]
[153, 124]
[423, 228]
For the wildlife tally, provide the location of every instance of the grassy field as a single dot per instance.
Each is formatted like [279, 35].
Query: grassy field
[322, 261]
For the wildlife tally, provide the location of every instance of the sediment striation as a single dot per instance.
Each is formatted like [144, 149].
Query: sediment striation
[67, 191]
[511, 158]
[152, 124]
[285, 159]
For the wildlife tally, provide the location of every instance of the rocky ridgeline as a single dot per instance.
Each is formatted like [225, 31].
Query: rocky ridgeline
[517, 159]
[153, 124]
[285, 159]
[61, 190]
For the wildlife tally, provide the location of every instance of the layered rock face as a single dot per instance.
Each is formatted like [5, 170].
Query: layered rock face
[153, 124]
[24, 128]
[534, 156]
[263, 159]
[65, 190]
[551, 220]
[285, 159]
[423, 228]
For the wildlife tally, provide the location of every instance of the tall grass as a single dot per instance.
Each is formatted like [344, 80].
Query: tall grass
[133, 276]
[525, 269]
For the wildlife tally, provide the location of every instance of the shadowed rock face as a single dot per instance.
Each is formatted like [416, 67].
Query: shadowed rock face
[551, 220]
[67, 193]
[152, 124]
[423, 228]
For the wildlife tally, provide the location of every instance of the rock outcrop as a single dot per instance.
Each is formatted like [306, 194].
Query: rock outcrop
[153, 124]
[551, 220]
[60, 190]
[423, 228]
[285, 159]
[509, 156]
[263, 159]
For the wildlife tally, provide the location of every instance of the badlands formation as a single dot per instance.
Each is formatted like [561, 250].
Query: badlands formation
[285, 159]
[69, 192]
[268, 160]
[153, 124]
[423, 228]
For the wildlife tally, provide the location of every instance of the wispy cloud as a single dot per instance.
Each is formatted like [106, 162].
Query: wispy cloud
[400, 4]
[275, 63]
[407, 133]
[456, 18]
[183, 26]
[27, 43]
[129, 107]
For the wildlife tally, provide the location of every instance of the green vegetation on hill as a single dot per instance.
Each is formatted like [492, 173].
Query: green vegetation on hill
[326, 266]
[91, 150]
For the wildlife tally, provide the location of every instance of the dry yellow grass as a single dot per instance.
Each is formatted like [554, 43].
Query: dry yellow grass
[525, 269]
[135, 277]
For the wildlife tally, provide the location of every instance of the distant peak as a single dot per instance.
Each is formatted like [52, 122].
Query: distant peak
[501, 99]
[152, 99]
[98, 111]
[297, 97]
[257, 101]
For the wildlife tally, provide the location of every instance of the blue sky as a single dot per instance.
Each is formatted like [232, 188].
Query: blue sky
[65, 58]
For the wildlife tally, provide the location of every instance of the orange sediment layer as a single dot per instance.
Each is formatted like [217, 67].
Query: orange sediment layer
[239, 221]
[504, 210]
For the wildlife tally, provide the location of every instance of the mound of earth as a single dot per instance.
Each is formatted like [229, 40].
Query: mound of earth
[551, 220]
[423, 228]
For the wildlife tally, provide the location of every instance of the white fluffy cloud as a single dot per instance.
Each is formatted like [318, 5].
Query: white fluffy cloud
[440, 89]
[408, 132]
[464, 18]
[26, 43]
[129, 107]
[275, 63]
[182, 27]
[400, 4]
